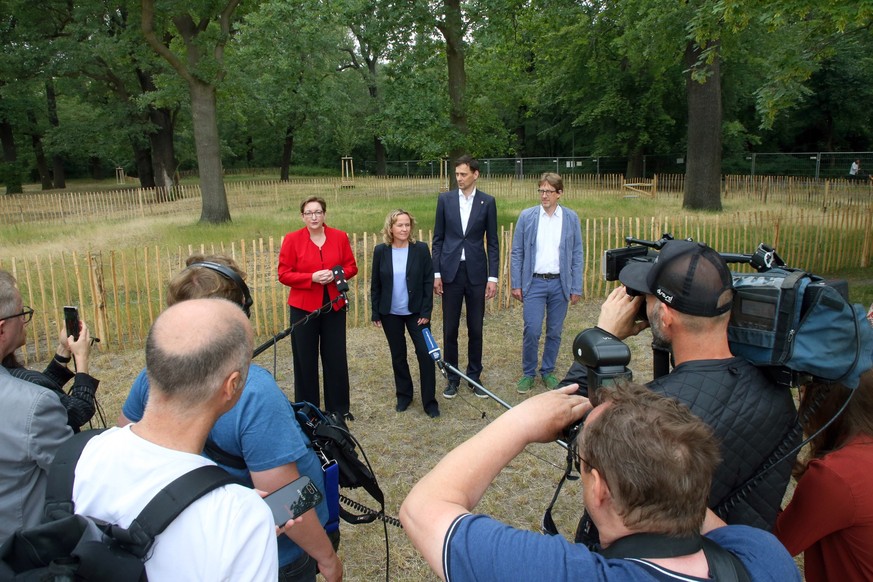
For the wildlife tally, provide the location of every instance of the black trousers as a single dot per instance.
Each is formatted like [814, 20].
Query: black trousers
[324, 335]
[455, 294]
[395, 328]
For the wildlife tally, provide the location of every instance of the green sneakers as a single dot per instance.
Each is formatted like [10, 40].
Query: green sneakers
[525, 384]
[550, 381]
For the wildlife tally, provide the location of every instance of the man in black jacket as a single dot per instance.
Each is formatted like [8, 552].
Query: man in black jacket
[688, 294]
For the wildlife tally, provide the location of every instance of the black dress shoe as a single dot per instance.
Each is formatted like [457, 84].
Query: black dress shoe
[451, 390]
[433, 412]
[401, 406]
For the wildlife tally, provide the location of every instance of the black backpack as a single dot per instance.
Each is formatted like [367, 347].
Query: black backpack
[71, 547]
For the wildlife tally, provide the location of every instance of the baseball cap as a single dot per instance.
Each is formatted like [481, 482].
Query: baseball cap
[688, 276]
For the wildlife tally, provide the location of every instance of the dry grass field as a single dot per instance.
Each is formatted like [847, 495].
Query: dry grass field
[400, 446]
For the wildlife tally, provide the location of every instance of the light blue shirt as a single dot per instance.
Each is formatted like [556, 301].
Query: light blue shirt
[400, 293]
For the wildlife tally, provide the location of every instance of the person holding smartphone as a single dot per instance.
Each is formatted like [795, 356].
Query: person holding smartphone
[80, 402]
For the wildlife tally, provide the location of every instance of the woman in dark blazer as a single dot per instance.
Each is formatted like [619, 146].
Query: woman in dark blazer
[401, 294]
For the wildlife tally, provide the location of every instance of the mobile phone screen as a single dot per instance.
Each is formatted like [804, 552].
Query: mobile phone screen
[293, 500]
[71, 321]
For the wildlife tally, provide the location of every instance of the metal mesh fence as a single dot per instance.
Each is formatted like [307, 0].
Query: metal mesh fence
[806, 164]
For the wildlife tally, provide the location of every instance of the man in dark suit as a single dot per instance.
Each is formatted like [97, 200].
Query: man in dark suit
[466, 219]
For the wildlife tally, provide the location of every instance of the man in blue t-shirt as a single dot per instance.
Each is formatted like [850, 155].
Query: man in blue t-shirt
[261, 430]
[645, 464]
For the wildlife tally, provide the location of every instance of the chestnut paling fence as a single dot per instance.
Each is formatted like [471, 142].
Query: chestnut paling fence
[132, 202]
[120, 292]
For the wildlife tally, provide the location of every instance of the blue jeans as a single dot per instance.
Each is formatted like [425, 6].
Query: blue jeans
[543, 300]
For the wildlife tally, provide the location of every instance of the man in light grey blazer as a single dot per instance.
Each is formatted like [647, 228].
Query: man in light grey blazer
[33, 424]
[546, 273]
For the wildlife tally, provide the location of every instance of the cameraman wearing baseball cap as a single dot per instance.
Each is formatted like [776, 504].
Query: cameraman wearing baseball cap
[688, 295]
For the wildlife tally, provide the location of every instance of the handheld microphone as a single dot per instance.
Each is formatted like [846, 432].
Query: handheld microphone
[339, 277]
[433, 349]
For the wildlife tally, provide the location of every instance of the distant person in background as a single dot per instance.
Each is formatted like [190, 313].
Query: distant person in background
[401, 294]
[830, 516]
[856, 173]
[305, 264]
[80, 402]
[33, 424]
[546, 276]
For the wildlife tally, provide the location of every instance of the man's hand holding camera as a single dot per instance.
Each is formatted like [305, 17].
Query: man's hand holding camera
[618, 314]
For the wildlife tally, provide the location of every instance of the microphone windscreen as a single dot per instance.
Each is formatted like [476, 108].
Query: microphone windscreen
[432, 348]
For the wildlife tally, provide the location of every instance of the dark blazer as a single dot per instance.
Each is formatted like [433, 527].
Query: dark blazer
[419, 280]
[449, 239]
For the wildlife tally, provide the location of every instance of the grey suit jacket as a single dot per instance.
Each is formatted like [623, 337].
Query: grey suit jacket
[33, 424]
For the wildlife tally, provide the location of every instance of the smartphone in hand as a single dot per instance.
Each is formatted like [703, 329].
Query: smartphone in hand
[71, 321]
[293, 500]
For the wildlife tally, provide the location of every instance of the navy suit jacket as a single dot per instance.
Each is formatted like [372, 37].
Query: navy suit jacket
[449, 239]
[419, 280]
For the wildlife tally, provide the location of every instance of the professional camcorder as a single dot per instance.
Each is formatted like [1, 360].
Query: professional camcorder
[795, 325]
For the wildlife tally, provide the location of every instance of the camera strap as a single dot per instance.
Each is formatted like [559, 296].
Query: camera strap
[548, 525]
[723, 564]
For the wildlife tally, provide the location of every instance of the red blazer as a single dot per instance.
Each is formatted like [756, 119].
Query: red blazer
[300, 258]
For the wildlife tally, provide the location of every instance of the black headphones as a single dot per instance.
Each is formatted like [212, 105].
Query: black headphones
[232, 275]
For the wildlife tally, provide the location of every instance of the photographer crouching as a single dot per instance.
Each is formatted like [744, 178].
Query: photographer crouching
[645, 463]
[688, 294]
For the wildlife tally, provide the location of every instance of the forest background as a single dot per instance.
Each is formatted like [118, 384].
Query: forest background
[156, 87]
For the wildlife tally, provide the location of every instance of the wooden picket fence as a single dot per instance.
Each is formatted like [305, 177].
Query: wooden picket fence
[82, 207]
[120, 292]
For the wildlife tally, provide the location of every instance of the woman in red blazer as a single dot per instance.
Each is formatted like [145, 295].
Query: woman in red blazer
[306, 261]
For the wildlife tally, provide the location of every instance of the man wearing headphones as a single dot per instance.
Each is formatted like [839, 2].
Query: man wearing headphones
[245, 440]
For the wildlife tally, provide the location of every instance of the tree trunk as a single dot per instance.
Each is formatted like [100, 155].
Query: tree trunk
[634, 167]
[59, 178]
[452, 30]
[10, 172]
[45, 176]
[160, 138]
[703, 159]
[214, 196]
[381, 164]
[287, 151]
[144, 168]
[373, 88]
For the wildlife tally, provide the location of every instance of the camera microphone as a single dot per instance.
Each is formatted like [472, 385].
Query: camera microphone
[433, 349]
[339, 277]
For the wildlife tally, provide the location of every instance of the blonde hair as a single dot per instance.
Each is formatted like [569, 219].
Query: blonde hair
[391, 219]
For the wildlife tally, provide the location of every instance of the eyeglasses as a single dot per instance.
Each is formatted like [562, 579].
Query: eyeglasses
[26, 312]
[310, 213]
[549, 192]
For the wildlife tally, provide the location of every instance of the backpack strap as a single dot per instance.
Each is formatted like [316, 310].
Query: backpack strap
[168, 504]
[62, 473]
[222, 457]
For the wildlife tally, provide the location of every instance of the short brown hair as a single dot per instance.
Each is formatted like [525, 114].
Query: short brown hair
[201, 283]
[656, 456]
[552, 179]
[318, 199]
[390, 220]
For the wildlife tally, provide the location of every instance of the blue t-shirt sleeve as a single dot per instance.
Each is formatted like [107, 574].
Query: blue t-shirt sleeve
[134, 406]
[261, 428]
[762, 554]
